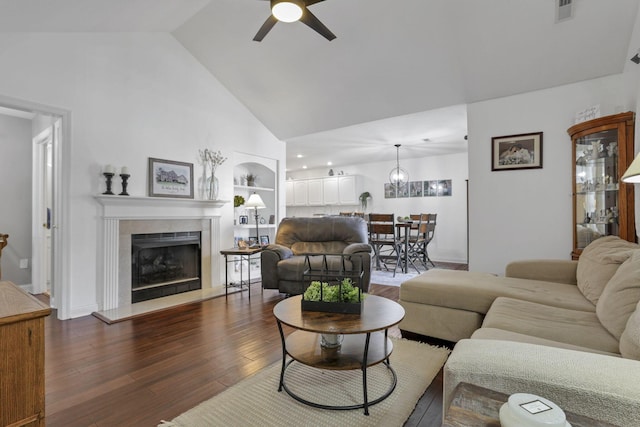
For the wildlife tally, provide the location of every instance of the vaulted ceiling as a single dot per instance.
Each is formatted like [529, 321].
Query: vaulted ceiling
[398, 72]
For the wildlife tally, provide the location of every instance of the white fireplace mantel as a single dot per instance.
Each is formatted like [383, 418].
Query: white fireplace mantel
[151, 213]
[133, 207]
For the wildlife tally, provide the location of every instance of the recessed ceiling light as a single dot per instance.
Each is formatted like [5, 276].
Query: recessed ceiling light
[304, 166]
[299, 156]
[329, 163]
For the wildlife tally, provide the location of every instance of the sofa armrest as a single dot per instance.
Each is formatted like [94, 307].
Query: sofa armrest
[281, 251]
[594, 385]
[354, 248]
[270, 256]
[548, 270]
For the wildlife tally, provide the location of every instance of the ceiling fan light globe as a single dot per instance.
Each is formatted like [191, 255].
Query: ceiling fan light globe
[287, 11]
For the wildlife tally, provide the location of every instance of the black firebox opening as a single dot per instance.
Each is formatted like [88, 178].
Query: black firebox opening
[164, 264]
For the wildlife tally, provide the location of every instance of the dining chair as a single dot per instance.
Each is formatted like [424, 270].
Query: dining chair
[417, 239]
[382, 237]
[428, 237]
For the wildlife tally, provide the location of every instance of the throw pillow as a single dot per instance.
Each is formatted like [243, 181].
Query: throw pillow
[598, 263]
[630, 339]
[620, 296]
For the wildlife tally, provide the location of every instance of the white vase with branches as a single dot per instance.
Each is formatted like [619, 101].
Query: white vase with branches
[212, 159]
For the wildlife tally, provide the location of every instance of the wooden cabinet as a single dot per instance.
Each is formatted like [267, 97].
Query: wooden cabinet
[603, 205]
[21, 357]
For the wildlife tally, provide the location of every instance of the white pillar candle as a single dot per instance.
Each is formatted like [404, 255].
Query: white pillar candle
[124, 171]
[108, 169]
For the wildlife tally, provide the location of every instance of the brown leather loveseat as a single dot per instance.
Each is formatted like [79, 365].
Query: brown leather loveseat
[341, 239]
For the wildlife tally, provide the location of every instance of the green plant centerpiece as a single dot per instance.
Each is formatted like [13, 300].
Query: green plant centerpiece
[238, 201]
[343, 297]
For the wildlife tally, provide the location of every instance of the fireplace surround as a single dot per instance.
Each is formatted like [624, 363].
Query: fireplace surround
[123, 217]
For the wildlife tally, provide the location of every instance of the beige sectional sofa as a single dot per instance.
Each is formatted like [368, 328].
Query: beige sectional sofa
[565, 330]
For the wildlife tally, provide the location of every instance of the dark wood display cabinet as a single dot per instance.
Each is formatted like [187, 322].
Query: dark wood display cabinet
[602, 204]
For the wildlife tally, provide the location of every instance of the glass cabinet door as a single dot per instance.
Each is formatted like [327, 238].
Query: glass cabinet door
[596, 201]
[602, 204]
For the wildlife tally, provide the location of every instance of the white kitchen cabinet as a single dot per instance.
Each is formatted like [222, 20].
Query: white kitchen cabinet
[315, 192]
[348, 190]
[331, 191]
[300, 193]
[334, 190]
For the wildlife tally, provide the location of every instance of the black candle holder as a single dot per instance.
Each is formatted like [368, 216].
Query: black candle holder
[125, 177]
[108, 176]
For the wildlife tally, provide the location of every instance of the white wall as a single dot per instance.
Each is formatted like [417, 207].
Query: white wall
[528, 214]
[450, 241]
[132, 96]
[15, 196]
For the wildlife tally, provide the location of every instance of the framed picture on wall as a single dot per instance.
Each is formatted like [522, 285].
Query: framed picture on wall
[522, 151]
[389, 191]
[444, 187]
[430, 188]
[168, 178]
[415, 189]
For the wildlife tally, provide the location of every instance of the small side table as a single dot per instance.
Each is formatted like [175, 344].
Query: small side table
[244, 254]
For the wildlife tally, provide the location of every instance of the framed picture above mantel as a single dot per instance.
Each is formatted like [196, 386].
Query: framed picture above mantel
[523, 151]
[168, 178]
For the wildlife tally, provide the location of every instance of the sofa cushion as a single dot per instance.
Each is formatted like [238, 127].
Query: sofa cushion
[630, 339]
[474, 291]
[575, 327]
[502, 335]
[598, 263]
[620, 296]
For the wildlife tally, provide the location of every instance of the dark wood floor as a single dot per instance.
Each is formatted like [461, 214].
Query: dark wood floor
[153, 368]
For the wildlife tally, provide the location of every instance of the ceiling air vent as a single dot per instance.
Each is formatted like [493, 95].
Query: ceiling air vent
[564, 10]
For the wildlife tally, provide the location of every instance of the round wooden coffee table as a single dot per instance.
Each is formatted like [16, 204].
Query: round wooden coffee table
[365, 341]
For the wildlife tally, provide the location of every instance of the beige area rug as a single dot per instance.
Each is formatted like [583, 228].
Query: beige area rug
[255, 401]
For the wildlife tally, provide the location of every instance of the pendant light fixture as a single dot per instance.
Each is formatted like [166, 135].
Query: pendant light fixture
[398, 176]
[287, 10]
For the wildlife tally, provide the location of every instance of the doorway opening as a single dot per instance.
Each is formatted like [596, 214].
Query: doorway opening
[48, 245]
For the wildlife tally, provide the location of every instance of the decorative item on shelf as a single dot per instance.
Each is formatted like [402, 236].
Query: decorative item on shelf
[398, 177]
[251, 179]
[238, 201]
[330, 172]
[331, 340]
[124, 175]
[364, 198]
[244, 219]
[212, 159]
[341, 298]
[255, 202]
[108, 173]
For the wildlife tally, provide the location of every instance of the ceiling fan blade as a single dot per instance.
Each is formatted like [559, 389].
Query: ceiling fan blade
[313, 22]
[310, 2]
[266, 27]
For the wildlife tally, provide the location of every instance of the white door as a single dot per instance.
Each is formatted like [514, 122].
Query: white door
[43, 212]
